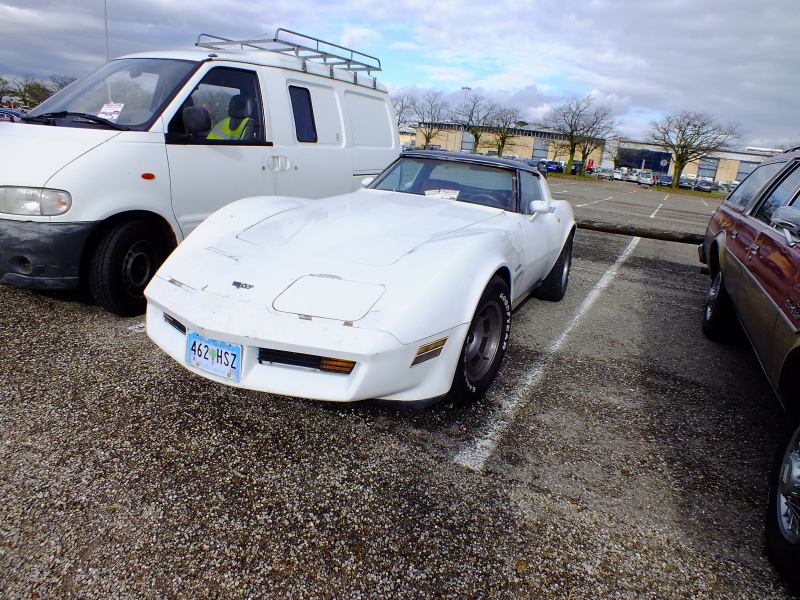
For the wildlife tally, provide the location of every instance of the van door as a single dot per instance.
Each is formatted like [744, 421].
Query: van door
[216, 146]
[314, 161]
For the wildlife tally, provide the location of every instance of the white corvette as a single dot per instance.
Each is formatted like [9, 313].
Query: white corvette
[401, 291]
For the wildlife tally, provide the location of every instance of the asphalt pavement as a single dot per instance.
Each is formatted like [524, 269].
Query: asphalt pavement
[619, 454]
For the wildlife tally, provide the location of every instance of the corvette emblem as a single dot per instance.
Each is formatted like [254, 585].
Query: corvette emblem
[241, 286]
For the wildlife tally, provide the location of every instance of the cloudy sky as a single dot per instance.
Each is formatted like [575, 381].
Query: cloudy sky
[737, 60]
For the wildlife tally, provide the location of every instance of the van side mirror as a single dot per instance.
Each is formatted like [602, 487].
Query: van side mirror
[196, 119]
[788, 219]
[366, 181]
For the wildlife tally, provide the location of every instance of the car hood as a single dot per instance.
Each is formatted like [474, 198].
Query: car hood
[32, 154]
[332, 258]
[367, 227]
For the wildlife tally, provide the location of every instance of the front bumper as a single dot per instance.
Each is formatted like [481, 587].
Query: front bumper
[383, 365]
[42, 255]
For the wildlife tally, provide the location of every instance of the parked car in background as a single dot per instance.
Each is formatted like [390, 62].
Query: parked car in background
[554, 166]
[665, 179]
[686, 183]
[540, 165]
[402, 291]
[633, 175]
[704, 186]
[645, 178]
[7, 114]
[752, 249]
[617, 175]
[605, 173]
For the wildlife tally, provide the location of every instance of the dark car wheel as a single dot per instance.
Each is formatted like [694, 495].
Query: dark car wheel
[123, 264]
[718, 311]
[555, 284]
[783, 509]
[485, 344]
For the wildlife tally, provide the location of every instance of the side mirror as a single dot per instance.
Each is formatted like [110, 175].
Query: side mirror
[366, 181]
[788, 219]
[196, 119]
[540, 207]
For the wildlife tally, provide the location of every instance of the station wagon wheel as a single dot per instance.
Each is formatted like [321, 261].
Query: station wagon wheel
[718, 311]
[485, 344]
[123, 264]
[783, 510]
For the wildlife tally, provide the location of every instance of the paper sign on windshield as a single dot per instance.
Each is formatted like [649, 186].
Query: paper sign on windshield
[111, 111]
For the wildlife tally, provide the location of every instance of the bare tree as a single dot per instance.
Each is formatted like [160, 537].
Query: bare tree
[475, 115]
[504, 127]
[28, 89]
[59, 82]
[690, 136]
[431, 111]
[403, 107]
[578, 119]
[600, 126]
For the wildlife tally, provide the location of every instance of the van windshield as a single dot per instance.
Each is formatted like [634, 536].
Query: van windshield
[130, 92]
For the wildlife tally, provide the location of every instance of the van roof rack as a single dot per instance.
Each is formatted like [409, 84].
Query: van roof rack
[304, 47]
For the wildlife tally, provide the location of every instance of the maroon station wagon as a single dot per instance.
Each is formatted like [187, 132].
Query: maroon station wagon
[752, 249]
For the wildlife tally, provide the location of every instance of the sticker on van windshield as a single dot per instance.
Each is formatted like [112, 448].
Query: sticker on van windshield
[111, 110]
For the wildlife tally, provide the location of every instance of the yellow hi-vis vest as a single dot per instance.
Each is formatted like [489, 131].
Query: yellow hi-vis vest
[223, 131]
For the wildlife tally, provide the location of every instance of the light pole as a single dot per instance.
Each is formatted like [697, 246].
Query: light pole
[466, 89]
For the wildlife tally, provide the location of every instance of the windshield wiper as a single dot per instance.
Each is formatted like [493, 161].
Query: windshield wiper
[49, 117]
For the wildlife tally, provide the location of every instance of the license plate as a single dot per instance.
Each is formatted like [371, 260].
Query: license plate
[214, 356]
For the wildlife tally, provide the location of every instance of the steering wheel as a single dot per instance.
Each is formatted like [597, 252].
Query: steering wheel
[487, 200]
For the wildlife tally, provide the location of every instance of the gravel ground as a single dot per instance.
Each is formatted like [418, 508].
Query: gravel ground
[634, 467]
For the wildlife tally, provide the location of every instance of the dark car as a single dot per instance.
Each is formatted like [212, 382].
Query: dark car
[704, 186]
[554, 166]
[685, 183]
[541, 165]
[664, 179]
[6, 114]
[752, 249]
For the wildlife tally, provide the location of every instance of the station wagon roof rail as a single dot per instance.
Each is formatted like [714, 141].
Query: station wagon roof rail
[304, 47]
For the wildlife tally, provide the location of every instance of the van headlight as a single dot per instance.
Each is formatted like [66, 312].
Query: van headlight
[34, 201]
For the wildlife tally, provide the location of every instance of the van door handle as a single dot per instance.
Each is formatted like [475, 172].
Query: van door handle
[278, 163]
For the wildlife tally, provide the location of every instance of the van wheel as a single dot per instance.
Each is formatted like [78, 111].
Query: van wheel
[122, 266]
[484, 346]
[555, 284]
[783, 509]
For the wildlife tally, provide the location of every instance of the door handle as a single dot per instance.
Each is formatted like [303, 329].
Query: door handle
[278, 163]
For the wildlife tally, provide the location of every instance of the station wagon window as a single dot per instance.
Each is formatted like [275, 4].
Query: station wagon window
[748, 190]
[304, 125]
[779, 195]
[228, 104]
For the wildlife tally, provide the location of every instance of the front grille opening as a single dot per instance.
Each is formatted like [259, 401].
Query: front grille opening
[308, 361]
[175, 323]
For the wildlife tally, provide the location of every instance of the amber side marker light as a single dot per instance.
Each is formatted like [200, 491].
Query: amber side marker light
[428, 351]
[336, 365]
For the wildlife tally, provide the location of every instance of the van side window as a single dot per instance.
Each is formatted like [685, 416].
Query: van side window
[304, 125]
[225, 107]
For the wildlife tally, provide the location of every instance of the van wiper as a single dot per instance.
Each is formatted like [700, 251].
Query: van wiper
[49, 117]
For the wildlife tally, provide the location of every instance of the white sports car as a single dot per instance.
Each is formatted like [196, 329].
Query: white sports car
[401, 291]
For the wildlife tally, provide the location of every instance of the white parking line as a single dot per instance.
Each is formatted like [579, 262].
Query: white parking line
[478, 452]
[653, 216]
[595, 202]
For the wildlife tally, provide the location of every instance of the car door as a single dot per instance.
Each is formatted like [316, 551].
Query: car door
[209, 169]
[769, 266]
[542, 243]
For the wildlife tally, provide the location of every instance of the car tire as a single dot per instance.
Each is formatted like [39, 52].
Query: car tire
[485, 344]
[783, 509]
[718, 310]
[123, 263]
[554, 286]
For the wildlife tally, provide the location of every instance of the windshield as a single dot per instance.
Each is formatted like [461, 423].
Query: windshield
[451, 180]
[129, 92]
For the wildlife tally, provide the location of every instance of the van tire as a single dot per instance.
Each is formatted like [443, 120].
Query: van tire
[124, 261]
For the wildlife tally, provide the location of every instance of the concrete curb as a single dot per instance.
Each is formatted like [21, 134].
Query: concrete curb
[645, 232]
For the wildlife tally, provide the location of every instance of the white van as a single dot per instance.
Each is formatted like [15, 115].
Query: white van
[99, 183]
